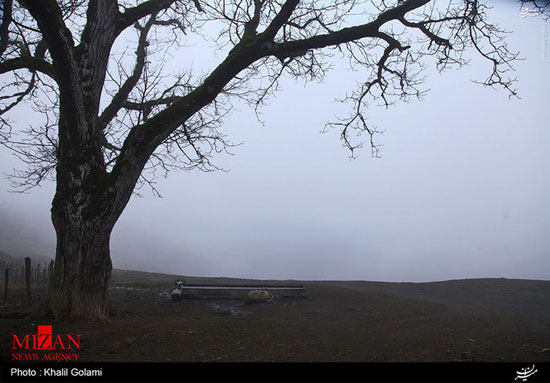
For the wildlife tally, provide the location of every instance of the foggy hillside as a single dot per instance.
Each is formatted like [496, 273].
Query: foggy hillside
[26, 233]
[132, 248]
[22, 236]
[6, 257]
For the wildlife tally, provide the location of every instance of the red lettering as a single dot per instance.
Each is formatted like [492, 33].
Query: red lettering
[60, 357]
[44, 340]
[73, 341]
[19, 343]
[45, 337]
[24, 356]
[58, 344]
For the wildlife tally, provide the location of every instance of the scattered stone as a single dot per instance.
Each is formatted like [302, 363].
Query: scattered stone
[258, 296]
[227, 309]
[224, 310]
[176, 294]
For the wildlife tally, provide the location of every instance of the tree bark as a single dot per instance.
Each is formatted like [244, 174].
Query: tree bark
[86, 207]
[83, 223]
[79, 286]
[83, 214]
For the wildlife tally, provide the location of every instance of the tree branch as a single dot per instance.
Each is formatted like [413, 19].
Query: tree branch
[133, 15]
[345, 35]
[122, 95]
[30, 63]
[6, 6]
[61, 46]
[280, 19]
[422, 27]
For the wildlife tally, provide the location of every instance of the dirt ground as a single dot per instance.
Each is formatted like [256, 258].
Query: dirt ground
[495, 320]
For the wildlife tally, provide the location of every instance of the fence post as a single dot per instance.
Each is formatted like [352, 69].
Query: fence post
[50, 270]
[28, 278]
[6, 281]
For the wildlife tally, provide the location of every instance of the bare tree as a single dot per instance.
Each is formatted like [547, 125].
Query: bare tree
[114, 116]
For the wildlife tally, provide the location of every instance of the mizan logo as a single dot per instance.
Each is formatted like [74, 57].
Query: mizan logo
[60, 347]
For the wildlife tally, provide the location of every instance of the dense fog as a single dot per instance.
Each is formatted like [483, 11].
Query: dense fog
[460, 191]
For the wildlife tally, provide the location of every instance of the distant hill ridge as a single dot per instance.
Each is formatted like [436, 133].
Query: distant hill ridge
[5, 257]
[19, 258]
[23, 235]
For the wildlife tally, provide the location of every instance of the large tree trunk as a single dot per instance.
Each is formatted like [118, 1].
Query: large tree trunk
[82, 214]
[88, 200]
[80, 280]
[86, 206]
[84, 211]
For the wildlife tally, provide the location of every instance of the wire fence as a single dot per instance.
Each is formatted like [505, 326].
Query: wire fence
[14, 273]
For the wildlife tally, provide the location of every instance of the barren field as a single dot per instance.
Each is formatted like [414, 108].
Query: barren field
[498, 320]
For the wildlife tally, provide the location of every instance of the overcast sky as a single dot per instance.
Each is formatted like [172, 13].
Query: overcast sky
[461, 190]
